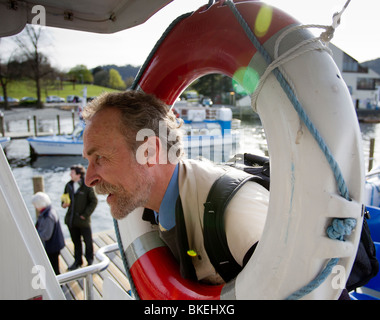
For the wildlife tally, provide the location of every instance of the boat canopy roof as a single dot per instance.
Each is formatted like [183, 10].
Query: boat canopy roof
[97, 16]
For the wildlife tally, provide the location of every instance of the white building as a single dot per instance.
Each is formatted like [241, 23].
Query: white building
[363, 83]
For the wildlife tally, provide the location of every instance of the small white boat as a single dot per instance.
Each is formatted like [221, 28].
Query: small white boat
[59, 145]
[4, 141]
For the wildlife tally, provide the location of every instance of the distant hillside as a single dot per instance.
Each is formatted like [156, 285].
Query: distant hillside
[26, 88]
[373, 64]
[126, 71]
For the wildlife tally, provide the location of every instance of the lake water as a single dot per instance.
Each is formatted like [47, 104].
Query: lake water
[55, 170]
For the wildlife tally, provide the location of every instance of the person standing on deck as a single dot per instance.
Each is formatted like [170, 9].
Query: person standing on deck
[49, 228]
[81, 202]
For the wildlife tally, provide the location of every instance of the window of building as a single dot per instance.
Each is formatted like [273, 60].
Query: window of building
[366, 84]
[351, 65]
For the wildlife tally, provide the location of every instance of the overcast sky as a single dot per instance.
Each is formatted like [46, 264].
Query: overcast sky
[358, 34]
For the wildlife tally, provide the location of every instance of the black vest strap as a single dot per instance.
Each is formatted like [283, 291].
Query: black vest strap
[186, 265]
[215, 239]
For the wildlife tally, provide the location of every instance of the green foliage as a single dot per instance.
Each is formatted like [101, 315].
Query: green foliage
[81, 74]
[212, 84]
[115, 80]
[25, 88]
[220, 88]
[101, 78]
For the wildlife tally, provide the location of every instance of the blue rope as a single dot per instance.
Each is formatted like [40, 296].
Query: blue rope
[316, 282]
[339, 227]
[337, 231]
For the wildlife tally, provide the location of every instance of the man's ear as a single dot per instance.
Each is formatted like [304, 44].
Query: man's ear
[152, 152]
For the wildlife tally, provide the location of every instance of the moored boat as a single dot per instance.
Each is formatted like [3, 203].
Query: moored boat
[207, 132]
[4, 141]
[59, 145]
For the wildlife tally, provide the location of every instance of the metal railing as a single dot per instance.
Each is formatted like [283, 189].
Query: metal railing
[87, 272]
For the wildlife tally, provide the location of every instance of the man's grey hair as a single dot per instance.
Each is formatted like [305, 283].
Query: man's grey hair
[141, 113]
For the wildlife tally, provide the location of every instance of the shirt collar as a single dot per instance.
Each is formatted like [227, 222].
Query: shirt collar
[167, 207]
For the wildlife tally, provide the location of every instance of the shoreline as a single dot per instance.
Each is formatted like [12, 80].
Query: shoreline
[22, 122]
[23, 113]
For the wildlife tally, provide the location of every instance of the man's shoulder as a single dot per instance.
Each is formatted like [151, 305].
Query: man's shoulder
[53, 214]
[68, 187]
[203, 166]
[87, 188]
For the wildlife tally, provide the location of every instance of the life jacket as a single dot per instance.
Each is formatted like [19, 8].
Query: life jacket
[252, 168]
[193, 258]
[365, 266]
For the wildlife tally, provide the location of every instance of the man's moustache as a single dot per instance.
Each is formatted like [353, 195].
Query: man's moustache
[106, 188]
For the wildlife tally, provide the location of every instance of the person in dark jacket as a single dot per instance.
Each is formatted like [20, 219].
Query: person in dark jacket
[81, 202]
[49, 228]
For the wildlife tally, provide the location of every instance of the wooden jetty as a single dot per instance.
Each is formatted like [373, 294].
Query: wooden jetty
[74, 290]
[29, 132]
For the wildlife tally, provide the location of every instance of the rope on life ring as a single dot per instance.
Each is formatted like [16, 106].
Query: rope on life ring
[340, 227]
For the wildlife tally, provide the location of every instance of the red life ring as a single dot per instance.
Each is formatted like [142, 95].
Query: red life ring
[211, 40]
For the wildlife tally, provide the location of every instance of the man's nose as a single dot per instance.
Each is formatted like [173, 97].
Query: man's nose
[92, 178]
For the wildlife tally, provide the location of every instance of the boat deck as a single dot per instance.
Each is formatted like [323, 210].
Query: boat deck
[74, 289]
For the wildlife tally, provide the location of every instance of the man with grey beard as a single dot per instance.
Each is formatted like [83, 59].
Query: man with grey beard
[133, 144]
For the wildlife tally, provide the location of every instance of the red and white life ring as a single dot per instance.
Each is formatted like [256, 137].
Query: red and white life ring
[304, 197]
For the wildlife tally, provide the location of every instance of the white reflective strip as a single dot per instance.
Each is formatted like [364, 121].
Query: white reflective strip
[142, 245]
[228, 291]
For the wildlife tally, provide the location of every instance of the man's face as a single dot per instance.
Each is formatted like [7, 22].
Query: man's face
[74, 176]
[112, 167]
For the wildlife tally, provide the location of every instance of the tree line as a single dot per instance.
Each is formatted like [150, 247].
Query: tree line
[101, 76]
